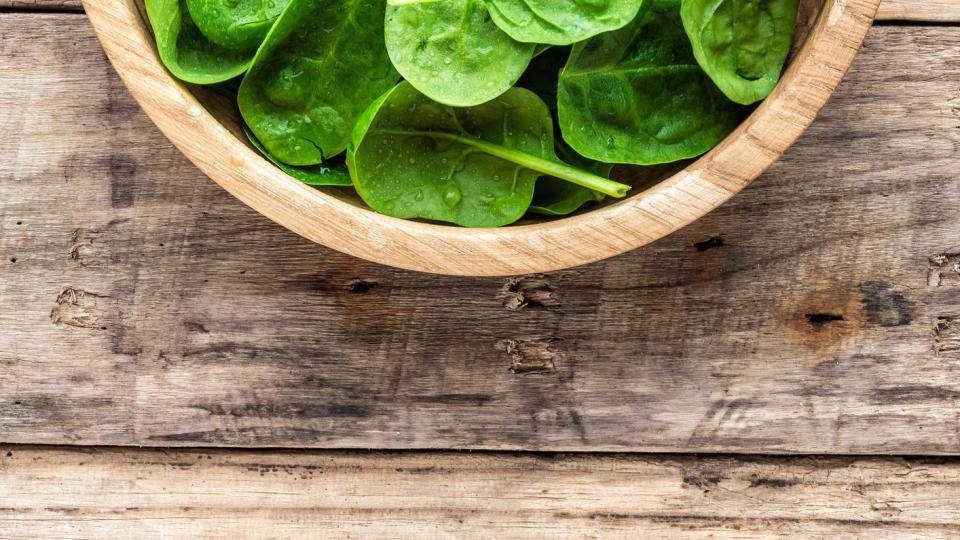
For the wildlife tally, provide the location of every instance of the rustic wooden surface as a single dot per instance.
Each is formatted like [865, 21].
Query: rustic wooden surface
[920, 11]
[139, 304]
[188, 494]
[817, 312]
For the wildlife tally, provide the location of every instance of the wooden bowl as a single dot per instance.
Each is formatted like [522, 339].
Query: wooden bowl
[208, 132]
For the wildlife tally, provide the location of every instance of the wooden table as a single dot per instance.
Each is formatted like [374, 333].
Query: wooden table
[141, 306]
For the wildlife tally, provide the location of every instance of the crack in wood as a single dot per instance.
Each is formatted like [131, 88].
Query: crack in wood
[79, 308]
[80, 243]
[709, 243]
[943, 267]
[530, 355]
[360, 286]
[818, 320]
[946, 335]
[534, 291]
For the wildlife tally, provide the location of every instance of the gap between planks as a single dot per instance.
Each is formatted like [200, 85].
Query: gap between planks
[944, 11]
[75, 492]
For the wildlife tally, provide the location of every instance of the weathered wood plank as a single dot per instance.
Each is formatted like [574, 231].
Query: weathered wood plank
[890, 10]
[46, 5]
[73, 493]
[817, 312]
[913, 10]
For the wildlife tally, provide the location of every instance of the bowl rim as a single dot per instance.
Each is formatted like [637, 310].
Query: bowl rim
[637, 220]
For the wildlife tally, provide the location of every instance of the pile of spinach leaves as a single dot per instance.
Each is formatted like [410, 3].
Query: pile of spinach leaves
[479, 112]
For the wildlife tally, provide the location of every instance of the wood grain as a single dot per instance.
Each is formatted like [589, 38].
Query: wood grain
[947, 11]
[74, 493]
[816, 312]
[890, 10]
[45, 5]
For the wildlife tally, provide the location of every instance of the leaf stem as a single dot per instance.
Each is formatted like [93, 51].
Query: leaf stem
[553, 168]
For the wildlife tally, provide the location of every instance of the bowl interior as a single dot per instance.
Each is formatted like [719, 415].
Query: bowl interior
[222, 107]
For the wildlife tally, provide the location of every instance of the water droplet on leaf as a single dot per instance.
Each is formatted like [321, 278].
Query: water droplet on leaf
[452, 195]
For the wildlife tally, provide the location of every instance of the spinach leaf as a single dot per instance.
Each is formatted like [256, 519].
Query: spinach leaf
[319, 68]
[553, 196]
[560, 22]
[741, 44]
[186, 52]
[637, 95]
[235, 24]
[412, 157]
[451, 51]
[331, 173]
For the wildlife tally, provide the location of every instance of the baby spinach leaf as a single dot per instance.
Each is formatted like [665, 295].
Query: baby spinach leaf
[186, 52]
[540, 49]
[451, 51]
[553, 196]
[560, 22]
[741, 44]
[235, 24]
[637, 95]
[331, 173]
[321, 65]
[412, 157]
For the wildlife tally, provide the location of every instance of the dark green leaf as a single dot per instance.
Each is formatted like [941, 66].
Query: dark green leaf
[560, 22]
[637, 95]
[320, 66]
[332, 173]
[412, 157]
[235, 24]
[554, 197]
[451, 51]
[741, 44]
[186, 52]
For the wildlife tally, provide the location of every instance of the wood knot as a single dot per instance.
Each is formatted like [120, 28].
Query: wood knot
[360, 286]
[943, 268]
[819, 320]
[79, 308]
[529, 291]
[710, 243]
[530, 355]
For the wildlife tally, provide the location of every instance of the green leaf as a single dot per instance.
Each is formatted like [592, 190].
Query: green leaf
[321, 65]
[186, 52]
[558, 198]
[553, 196]
[560, 22]
[235, 24]
[331, 173]
[741, 44]
[637, 95]
[412, 157]
[451, 51]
